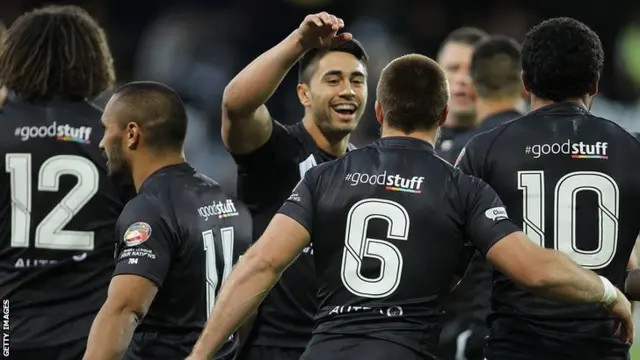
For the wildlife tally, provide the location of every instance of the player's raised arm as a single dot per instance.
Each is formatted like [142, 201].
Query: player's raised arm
[246, 123]
[259, 269]
[546, 273]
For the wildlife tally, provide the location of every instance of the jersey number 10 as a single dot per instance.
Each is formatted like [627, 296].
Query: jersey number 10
[49, 232]
[532, 184]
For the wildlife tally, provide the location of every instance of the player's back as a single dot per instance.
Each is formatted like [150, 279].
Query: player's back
[207, 231]
[58, 211]
[387, 240]
[572, 181]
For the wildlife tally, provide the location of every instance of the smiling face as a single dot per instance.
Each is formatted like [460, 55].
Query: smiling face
[336, 93]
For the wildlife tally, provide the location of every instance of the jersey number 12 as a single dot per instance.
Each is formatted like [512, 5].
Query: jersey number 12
[49, 233]
[532, 184]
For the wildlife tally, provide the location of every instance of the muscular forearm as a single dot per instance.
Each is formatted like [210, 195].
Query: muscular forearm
[564, 280]
[241, 294]
[110, 334]
[255, 84]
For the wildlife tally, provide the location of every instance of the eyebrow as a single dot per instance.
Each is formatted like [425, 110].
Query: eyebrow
[339, 73]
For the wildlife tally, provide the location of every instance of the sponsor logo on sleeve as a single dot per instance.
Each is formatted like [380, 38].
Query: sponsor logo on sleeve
[137, 233]
[496, 214]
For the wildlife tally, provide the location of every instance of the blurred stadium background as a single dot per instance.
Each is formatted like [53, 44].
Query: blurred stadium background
[196, 46]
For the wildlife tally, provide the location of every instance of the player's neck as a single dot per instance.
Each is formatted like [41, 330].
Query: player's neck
[334, 144]
[3, 95]
[486, 108]
[428, 136]
[147, 165]
[461, 120]
[537, 103]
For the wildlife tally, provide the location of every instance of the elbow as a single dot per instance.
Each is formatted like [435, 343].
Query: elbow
[261, 264]
[538, 279]
[132, 314]
[232, 105]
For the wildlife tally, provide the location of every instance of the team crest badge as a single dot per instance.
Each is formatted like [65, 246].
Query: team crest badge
[137, 233]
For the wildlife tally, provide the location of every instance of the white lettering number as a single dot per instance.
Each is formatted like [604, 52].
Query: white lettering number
[533, 211]
[212, 278]
[49, 233]
[358, 247]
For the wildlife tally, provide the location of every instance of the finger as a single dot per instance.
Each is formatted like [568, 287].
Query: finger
[341, 38]
[340, 23]
[334, 22]
[314, 19]
[325, 18]
[630, 330]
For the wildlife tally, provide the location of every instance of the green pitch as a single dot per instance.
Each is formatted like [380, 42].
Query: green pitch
[635, 352]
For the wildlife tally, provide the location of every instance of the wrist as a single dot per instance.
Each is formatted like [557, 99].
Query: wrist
[609, 293]
[298, 43]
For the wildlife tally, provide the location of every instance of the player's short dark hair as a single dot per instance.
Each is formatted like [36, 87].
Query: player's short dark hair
[56, 51]
[413, 93]
[158, 110]
[561, 59]
[307, 64]
[467, 35]
[496, 67]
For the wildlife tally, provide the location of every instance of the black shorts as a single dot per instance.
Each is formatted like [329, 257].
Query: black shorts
[341, 348]
[68, 351]
[258, 352]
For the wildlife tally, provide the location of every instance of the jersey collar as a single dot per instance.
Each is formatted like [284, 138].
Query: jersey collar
[403, 142]
[565, 107]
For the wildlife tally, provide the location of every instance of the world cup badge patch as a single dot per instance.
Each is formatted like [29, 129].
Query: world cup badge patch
[137, 233]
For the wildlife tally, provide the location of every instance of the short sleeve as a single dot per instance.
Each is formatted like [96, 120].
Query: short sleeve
[145, 242]
[299, 205]
[486, 220]
[280, 149]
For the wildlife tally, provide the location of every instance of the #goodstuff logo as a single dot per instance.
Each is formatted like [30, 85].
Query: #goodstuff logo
[137, 233]
[220, 209]
[578, 150]
[65, 132]
[393, 182]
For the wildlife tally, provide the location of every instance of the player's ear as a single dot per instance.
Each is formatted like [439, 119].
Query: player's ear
[523, 76]
[133, 136]
[379, 114]
[443, 117]
[594, 87]
[304, 95]
[524, 94]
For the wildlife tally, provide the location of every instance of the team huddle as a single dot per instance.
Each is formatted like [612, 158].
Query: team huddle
[468, 230]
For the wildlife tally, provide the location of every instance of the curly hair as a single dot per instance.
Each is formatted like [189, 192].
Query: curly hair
[56, 51]
[561, 59]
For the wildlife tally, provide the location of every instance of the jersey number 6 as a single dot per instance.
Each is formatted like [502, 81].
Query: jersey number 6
[358, 247]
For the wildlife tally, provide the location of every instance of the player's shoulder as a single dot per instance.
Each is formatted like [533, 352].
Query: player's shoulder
[487, 138]
[603, 125]
[143, 205]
